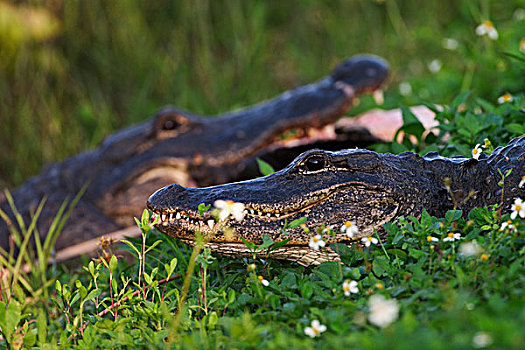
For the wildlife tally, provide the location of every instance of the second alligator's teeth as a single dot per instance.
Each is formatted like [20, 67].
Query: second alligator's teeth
[378, 96]
[163, 217]
[211, 223]
[177, 216]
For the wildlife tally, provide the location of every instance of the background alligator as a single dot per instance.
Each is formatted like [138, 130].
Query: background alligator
[176, 146]
[331, 188]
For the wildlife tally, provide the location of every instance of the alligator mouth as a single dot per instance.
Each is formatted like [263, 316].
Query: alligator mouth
[186, 220]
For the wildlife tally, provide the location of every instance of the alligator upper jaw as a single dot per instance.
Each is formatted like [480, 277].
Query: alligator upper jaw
[330, 208]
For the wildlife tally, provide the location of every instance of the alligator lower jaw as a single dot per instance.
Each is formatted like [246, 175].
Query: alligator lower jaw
[300, 254]
[184, 223]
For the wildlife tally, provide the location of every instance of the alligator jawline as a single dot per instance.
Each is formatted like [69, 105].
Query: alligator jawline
[189, 220]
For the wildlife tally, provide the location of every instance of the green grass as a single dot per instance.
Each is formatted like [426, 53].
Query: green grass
[103, 65]
[88, 68]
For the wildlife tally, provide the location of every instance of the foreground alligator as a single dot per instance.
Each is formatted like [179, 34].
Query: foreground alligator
[332, 188]
[176, 146]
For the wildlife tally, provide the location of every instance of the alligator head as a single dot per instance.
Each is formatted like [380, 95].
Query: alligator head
[331, 188]
[176, 146]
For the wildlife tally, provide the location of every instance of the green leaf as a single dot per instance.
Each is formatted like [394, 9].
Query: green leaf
[453, 215]
[380, 266]
[265, 168]
[58, 288]
[461, 98]
[279, 244]
[416, 253]
[250, 245]
[434, 108]
[411, 124]
[12, 316]
[41, 326]
[307, 290]
[296, 223]
[30, 338]
[113, 263]
[156, 243]
[203, 208]
[93, 294]
[398, 148]
[125, 241]
[289, 281]
[515, 128]
[171, 267]
[267, 242]
[213, 318]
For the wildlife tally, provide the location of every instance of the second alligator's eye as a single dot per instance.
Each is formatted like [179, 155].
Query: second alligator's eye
[170, 124]
[315, 163]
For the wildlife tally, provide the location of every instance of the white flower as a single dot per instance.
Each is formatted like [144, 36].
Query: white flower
[487, 28]
[451, 237]
[382, 311]
[481, 340]
[470, 249]
[228, 208]
[369, 240]
[316, 242]
[519, 14]
[350, 287]
[432, 239]
[518, 208]
[263, 281]
[350, 228]
[315, 330]
[449, 44]
[522, 182]
[507, 225]
[435, 66]
[405, 88]
[476, 152]
[505, 98]
[327, 230]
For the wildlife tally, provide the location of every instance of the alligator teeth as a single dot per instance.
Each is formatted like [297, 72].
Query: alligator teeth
[269, 214]
[171, 216]
[245, 211]
[163, 217]
[378, 96]
[177, 216]
[277, 215]
[252, 211]
[211, 223]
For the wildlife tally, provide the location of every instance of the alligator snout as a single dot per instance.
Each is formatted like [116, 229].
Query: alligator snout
[164, 197]
[363, 72]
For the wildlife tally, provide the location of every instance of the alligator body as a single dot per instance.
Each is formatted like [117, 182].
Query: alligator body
[175, 146]
[331, 188]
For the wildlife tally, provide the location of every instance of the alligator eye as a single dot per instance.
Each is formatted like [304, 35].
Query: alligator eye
[315, 163]
[170, 124]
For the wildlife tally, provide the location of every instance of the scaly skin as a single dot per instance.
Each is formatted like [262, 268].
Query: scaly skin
[175, 146]
[334, 187]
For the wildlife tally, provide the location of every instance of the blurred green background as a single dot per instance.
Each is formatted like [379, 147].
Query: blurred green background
[71, 72]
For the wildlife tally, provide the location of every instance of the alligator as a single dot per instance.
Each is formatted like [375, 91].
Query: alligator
[332, 188]
[176, 146]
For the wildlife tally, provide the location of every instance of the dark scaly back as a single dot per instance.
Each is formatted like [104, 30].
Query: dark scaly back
[510, 157]
[475, 183]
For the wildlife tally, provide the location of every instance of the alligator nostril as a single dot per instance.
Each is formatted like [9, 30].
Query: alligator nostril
[371, 72]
